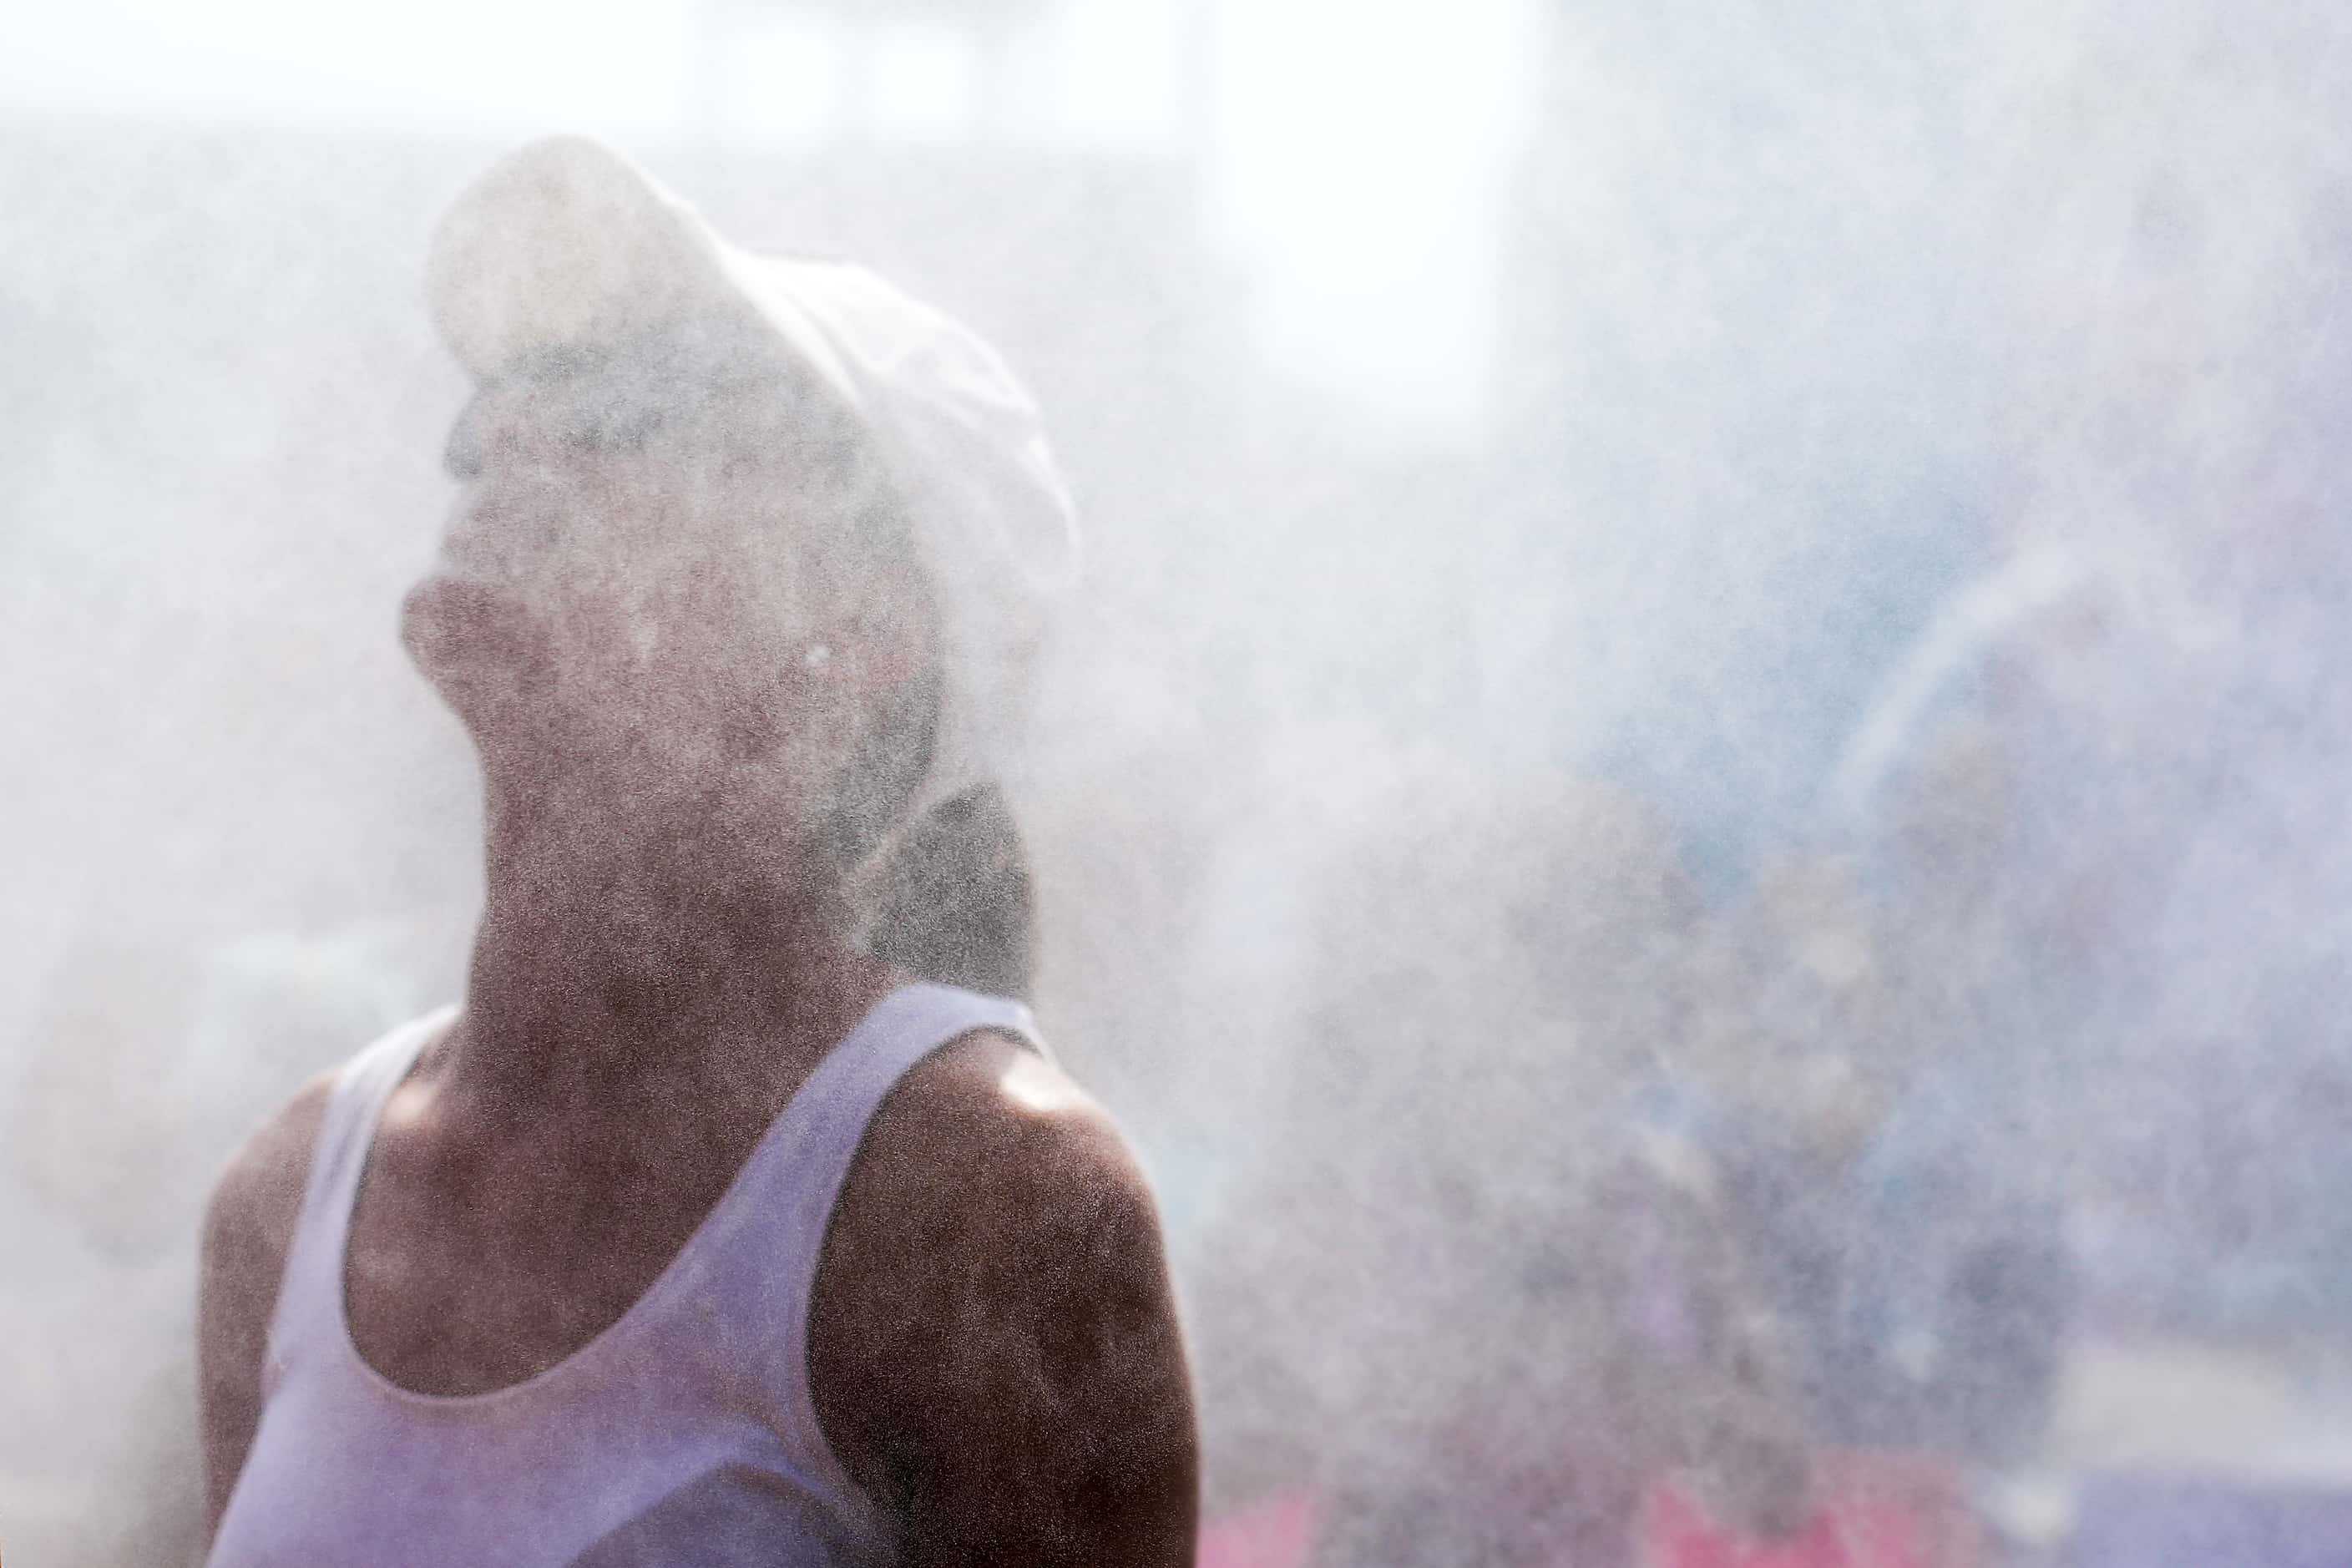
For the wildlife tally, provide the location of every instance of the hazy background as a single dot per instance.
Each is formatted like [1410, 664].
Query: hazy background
[1773, 476]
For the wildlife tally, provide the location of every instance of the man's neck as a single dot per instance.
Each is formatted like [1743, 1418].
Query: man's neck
[626, 957]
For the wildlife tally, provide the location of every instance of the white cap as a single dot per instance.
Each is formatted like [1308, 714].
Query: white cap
[565, 246]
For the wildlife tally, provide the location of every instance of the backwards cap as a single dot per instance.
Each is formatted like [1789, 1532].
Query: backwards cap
[563, 248]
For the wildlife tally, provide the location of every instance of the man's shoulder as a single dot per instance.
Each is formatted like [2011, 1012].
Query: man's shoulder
[997, 1135]
[248, 1232]
[256, 1199]
[990, 1189]
[262, 1183]
[993, 1337]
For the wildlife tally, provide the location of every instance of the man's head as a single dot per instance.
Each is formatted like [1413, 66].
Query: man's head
[738, 528]
[686, 580]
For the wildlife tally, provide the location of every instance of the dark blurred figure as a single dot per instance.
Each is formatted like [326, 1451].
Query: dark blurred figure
[1854, 1081]
[1472, 1307]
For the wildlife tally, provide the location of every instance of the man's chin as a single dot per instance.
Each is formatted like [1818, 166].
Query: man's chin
[471, 640]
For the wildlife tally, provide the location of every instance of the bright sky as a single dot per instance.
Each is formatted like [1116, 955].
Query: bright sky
[1356, 149]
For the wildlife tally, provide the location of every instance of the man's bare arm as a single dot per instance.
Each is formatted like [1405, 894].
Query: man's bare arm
[249, 1227]
[993, 1346]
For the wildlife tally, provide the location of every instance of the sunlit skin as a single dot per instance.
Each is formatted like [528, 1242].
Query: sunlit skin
[667, 654]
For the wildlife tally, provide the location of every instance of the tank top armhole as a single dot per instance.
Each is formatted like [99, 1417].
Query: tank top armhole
[822, 1133]
[311, 1284]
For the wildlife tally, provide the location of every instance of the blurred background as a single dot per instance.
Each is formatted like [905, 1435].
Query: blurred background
[1751, 594]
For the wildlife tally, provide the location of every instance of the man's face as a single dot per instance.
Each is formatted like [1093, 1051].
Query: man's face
[684, 606]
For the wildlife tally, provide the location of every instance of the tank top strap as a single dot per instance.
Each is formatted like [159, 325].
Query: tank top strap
[817, 1139]
[310, 1295]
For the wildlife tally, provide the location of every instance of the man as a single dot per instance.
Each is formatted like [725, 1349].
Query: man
[706, 1232]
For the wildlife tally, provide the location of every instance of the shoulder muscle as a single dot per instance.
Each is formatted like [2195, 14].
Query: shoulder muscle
[994, 1340]
[249, 1227]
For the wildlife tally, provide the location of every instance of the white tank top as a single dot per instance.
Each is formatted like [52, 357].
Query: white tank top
[684, 1435]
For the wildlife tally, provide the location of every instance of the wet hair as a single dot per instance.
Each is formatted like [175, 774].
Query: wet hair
[956, 903]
